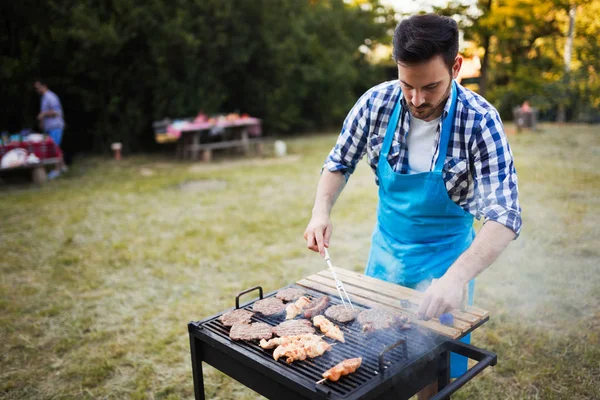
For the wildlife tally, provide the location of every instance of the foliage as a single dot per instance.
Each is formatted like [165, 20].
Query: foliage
[119, 65]
[526, 50]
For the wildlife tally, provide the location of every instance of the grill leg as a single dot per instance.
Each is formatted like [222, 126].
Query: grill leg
[197, 369]
[444, 371]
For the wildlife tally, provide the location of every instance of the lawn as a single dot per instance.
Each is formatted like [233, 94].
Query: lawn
[101, 270]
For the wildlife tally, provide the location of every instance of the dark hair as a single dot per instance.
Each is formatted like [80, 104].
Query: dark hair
[422, 37]
[40, 81]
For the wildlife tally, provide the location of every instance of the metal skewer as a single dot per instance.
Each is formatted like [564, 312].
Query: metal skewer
[338, 284]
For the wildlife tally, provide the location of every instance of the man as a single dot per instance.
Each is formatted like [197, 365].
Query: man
[440, 158]
[51, 118]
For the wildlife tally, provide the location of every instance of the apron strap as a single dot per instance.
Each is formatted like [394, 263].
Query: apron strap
[447, 129]
[391, 129]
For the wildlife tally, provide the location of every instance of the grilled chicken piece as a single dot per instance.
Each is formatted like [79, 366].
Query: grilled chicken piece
[346, 367]
[328, 328]
[300, 349]
[316, 349]
[292, 351]
[271, 344]
[293, 309]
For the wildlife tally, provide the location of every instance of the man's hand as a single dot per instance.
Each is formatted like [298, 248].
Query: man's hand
[40, 116]
[318, 233]
[443, 295]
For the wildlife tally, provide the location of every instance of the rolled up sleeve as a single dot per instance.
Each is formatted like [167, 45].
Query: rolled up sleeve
[495, 176]
[351, 145]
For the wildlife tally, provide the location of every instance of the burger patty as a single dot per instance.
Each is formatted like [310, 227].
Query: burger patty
[340, 313]
[294, 327]
[316, 307]
[238, 316]
[253, 331]
[269, 306]
[290, 294]
[377, 319]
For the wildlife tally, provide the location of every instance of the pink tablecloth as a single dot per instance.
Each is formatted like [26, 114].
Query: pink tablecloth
[43, 150]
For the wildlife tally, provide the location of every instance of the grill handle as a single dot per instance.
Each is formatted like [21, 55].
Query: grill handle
[401, 342]
[237, 298]
[485, 358]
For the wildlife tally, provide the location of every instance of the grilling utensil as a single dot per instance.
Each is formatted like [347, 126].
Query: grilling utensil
[338, 284]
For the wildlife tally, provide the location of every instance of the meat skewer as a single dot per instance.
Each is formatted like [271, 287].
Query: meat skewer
[293, 309]
[328, 328]
[346, 367]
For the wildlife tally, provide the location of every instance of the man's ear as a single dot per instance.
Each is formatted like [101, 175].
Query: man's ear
[456, 67]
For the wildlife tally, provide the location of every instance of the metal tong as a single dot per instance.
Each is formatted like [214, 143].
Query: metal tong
[338, 284]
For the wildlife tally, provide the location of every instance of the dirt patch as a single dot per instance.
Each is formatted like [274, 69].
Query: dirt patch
[146, 172]
[201, 186]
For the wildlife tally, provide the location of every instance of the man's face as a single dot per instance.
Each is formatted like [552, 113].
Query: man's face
[426, 86]
[39, 87]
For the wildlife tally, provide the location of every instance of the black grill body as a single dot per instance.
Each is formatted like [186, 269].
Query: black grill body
[396, 363]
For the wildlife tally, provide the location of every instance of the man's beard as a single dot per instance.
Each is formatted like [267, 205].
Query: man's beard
[425, 111]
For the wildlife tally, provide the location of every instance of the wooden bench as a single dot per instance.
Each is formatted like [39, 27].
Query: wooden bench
[38, 170]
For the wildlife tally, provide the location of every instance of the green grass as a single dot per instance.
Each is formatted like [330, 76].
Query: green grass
[102, 269]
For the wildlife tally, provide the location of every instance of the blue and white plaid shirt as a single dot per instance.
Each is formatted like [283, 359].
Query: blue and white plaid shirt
[479, 170]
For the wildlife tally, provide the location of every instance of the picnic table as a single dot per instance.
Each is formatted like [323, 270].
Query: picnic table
[202, 135]
[46, 150]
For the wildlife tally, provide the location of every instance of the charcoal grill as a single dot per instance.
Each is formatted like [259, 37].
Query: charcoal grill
[396, 364]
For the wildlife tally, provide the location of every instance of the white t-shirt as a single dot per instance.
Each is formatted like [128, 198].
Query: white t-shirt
[421, 138]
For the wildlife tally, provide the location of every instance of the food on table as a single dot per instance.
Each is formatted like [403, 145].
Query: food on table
[294, 327]
[293, 309]
[300, 349]
[290, 294]
[316, 307]
[340, 313]
[279, 341]
[269, 306]
[377, 319]
[346, 367]
[253, 331]
[328, 328]
[238, 316]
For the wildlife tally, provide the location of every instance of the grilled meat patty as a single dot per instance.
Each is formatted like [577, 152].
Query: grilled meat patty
[316, 307]
[253, 331]
[377, 318]
[238, 316]
[290, 294]
[340, 313]
[269, 306]
[294, 327]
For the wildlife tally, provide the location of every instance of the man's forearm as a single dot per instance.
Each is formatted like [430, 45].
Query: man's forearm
[49, 113]
[329, 188]
[489, 243]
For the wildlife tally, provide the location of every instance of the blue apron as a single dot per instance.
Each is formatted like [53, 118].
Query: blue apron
[420, 231]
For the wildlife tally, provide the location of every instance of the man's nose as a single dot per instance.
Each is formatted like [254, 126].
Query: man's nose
[418, 98]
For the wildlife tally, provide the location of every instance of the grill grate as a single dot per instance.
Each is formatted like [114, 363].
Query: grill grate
[358, 344]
